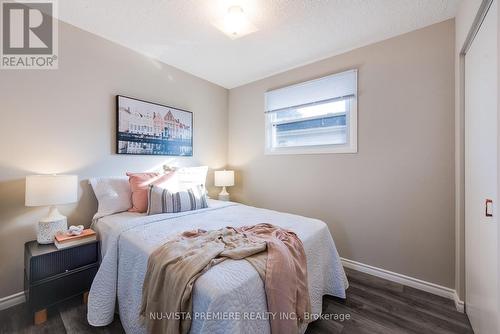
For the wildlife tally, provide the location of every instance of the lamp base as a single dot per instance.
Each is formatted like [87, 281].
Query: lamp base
[50, 225]
[224, 195]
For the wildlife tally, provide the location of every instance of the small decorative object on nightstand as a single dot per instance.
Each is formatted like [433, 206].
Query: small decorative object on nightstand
[52, 276]
[51, 190]
[224, 178]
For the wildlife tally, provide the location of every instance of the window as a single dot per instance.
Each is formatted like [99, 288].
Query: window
[318, 116]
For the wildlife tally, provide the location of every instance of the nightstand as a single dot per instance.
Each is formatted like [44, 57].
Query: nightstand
[52, 275]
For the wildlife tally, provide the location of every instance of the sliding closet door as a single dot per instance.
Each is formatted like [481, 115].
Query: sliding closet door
[481, 177]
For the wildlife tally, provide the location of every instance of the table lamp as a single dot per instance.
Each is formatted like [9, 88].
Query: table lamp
[224, 178]
[51, 190]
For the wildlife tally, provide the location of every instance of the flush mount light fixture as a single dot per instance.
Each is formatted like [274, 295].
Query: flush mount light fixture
[234, 20]
[235, 23]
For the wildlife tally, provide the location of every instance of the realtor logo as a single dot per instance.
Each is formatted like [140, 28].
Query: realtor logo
[29, 35]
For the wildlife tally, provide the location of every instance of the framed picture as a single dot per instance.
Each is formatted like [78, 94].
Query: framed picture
[152, 129]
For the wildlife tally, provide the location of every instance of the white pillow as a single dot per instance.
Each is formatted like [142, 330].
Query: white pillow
[189, 177]
[113, 195]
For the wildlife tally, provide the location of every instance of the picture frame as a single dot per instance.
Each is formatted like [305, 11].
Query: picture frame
[148, 128]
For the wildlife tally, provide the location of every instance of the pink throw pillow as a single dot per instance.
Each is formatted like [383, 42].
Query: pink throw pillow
[139, 185]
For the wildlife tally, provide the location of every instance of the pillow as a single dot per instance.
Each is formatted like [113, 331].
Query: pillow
[112, 193]
[161, 200]
[189, 177]
[139, 184]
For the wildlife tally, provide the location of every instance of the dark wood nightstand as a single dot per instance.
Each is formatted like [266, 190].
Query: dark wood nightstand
[52, 275]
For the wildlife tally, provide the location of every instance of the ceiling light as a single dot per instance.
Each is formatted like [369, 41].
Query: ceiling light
[234, 20]
[235, 23]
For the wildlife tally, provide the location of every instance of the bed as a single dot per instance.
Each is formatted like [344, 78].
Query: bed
[232, 287]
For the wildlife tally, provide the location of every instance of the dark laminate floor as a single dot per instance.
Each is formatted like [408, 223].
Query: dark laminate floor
[375, 306]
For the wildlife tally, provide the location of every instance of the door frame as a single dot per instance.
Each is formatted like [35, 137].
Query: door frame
[460, 169]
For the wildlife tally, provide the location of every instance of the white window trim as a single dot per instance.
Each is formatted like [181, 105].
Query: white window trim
[351, 147]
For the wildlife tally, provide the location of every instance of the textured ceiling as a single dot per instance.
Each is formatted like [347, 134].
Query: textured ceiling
[290, 33]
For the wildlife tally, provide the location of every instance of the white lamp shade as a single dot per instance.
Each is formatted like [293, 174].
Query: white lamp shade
[42, 190]
[224, 178]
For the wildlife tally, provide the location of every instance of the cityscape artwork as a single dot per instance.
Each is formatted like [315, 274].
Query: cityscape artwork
[153, 129]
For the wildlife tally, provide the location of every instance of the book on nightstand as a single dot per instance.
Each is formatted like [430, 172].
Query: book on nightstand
[64, 240]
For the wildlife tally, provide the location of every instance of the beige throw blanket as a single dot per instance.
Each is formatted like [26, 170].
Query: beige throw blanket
[277, 255]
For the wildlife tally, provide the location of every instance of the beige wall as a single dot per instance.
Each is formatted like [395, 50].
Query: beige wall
[391, 205]
[63, 121]
[394, 196]
[466, 13]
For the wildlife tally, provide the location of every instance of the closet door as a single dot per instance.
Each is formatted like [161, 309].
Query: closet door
[481, 177]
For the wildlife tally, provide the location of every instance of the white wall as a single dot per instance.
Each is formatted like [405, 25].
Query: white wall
[63, 121]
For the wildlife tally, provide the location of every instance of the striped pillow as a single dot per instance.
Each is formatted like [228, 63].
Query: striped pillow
[161, 200]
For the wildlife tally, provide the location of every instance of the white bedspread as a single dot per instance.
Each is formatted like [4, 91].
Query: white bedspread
[232, 286]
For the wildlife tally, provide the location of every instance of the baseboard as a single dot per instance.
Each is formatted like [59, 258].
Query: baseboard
[459, 304]
[12, 300]
[406, 280]
[416, 283]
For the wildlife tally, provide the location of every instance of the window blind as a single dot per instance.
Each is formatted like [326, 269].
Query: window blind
[329, 88]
